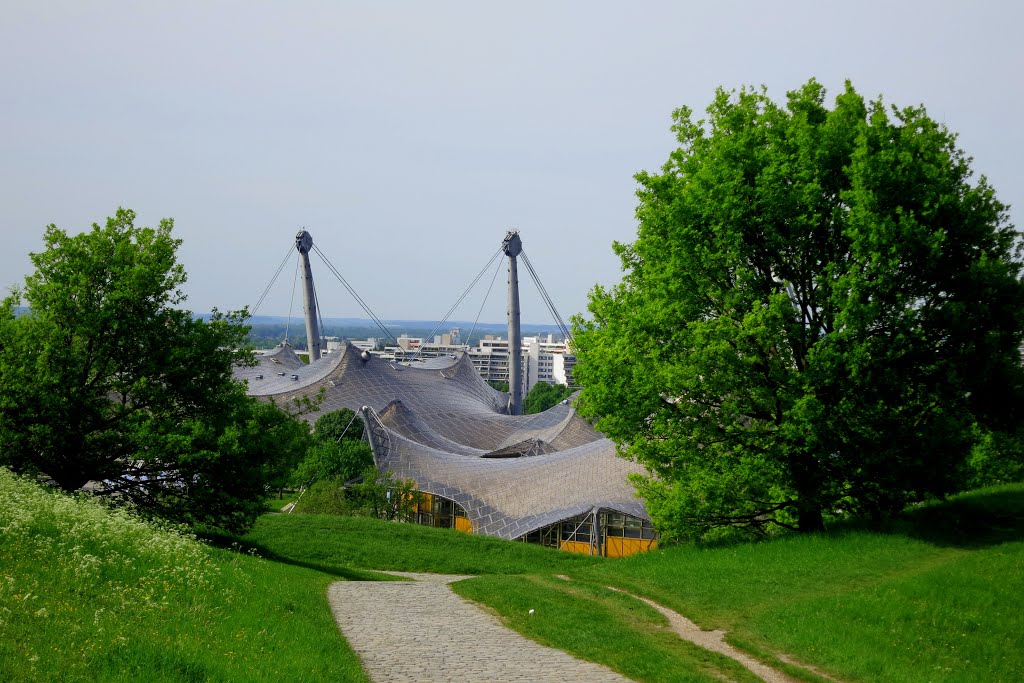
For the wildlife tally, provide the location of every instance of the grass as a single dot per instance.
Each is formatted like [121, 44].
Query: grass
[940, 597]
[594, 623]
[90, 594]
[342, 544]
[276, 503]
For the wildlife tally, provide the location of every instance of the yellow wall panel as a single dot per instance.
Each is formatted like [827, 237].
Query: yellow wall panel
[624, 547]
[575, 547]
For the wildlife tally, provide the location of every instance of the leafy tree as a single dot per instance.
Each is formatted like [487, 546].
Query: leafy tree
[819, 308]
[328, 497]
[105, 379]
[337, 451]
[338, 424]
[344, 460]
[386, 497]
[543, 396]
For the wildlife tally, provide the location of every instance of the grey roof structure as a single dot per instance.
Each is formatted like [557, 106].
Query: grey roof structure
[439, 423]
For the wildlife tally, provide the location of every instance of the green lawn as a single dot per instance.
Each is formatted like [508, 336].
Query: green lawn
[342, 544]
[86, 594]
[939, 598]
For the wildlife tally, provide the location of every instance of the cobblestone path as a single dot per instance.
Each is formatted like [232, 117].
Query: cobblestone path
[421, 631]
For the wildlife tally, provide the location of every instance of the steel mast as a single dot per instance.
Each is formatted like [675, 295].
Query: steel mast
[513, 246]
[303, 243]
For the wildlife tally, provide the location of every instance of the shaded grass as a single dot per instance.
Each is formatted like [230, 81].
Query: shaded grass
[276, 503]
[90, 594]
[340, 544]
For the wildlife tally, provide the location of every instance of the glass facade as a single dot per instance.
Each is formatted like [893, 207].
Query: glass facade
[442, 513]
[618, 534]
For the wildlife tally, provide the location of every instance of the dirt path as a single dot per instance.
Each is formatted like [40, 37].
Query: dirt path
[421, 631]
[715, 641]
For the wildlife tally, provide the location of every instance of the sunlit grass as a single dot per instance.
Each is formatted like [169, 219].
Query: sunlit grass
[594, 623]
[87, 593]
[337, 543]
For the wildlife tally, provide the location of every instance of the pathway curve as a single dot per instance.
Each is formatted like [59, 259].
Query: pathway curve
[421, 631]
[715, 641]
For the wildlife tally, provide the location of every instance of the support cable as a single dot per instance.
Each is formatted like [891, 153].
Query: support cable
[272, 281]
[320, 320]
[291, 304]
[482, 303]
[345, 431]
[460, 300]
[352, 292]
[547, 299]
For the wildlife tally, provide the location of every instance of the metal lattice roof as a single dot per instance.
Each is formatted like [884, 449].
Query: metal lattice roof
[439, 423]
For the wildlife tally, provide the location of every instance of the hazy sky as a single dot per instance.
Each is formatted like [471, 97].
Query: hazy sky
[407, 137]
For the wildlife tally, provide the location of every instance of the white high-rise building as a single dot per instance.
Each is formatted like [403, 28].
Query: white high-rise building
[543, 358]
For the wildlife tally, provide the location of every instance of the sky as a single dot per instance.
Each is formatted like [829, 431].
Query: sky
[408, 137]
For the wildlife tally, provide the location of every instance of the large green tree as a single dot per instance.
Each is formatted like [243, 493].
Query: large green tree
[821, 307]
[105, 378]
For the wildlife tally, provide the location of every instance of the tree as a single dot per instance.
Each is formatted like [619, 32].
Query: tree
[543, 396]
[819, 308]
[337, 451]
[105, 379]
[337, 425]
[386, 497]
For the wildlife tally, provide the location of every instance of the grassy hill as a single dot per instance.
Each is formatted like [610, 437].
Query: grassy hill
[89, 594]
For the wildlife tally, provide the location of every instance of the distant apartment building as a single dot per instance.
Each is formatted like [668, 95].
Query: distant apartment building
[544, 359]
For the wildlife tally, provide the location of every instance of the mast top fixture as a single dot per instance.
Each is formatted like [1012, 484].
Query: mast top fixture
[512, 245]
[303, 241]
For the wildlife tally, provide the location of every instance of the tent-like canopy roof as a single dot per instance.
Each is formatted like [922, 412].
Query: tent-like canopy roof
[439, 423]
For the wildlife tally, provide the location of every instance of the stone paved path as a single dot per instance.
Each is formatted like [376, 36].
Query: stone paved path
[421, 631]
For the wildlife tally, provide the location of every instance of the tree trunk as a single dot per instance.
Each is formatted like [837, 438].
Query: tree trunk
[69, 481]
[807, 477]
[810, 519]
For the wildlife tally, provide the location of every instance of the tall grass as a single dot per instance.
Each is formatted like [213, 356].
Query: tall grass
[88, 593]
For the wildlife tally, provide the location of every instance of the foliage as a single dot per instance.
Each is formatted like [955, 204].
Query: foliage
[996, 458]
[89, 593]
[326, 496]
[343, 460]
[818, 308]
[105, 379]
[335, 452]
[338, 424]
[544, 396]
[499, 386]
[386, 497]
